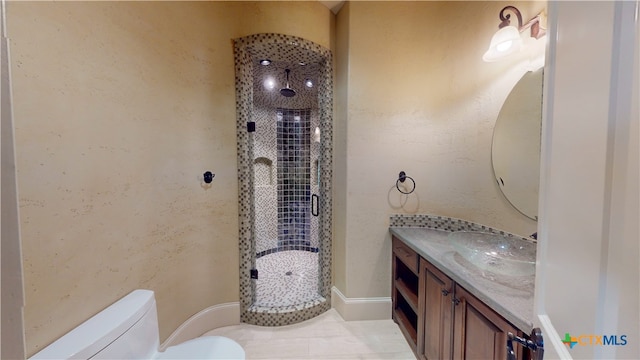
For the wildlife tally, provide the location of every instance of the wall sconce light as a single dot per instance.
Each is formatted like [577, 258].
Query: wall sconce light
[507, 40]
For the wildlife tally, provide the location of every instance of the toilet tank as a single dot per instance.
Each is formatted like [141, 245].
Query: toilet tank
[128, 329]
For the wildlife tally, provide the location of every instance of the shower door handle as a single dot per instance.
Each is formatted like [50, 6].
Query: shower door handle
[314, 204]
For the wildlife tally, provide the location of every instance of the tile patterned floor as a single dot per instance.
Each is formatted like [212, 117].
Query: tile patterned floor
[286, 278]
[327, 336]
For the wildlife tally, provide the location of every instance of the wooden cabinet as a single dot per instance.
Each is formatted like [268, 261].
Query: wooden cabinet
[479, 332]
[441, 319]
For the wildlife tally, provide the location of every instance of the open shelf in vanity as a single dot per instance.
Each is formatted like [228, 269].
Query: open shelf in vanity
[405, 291]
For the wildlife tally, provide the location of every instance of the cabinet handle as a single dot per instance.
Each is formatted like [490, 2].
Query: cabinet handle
[445, 292]
[315, 204]
[455, 301]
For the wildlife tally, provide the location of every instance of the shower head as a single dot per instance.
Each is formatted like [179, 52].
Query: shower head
[287, 91]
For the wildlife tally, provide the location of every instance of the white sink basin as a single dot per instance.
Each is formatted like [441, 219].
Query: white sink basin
[496, 253]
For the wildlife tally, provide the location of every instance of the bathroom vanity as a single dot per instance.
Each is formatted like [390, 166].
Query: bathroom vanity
[451, 306]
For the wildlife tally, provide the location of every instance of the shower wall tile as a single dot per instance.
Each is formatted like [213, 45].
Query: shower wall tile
[294, 176]
[265, 134]
[266, 213]
[265, 165]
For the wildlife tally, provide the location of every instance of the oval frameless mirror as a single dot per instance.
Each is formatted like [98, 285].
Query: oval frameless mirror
[515, 152]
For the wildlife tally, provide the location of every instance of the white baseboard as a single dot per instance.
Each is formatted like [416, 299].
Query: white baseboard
[375, 308]
[554, 347]
[206, 320]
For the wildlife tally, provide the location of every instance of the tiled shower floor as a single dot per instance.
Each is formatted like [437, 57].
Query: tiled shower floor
[286, 278]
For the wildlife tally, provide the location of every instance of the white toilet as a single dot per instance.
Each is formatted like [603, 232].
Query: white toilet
[128, 329]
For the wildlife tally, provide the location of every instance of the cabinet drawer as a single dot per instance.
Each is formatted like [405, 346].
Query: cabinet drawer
[405, 254]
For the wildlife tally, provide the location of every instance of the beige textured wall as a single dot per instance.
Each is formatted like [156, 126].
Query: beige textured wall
[340, 134]
[419, 99]
[119, 108]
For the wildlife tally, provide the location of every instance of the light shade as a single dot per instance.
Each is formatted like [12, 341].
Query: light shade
[504, 42]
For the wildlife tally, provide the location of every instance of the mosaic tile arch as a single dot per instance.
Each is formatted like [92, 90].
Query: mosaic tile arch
[446, 223]
[258, 246]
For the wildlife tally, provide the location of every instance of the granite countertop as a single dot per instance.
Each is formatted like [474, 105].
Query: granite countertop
[511, 297]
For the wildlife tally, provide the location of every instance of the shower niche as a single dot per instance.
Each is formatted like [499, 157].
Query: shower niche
[284, 131]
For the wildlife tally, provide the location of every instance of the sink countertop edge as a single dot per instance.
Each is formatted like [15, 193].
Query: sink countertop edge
[433, 246]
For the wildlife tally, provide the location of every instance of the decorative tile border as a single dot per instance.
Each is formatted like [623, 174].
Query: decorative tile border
[279, 316]
[286, 248]
[281, 48]
[444, 223]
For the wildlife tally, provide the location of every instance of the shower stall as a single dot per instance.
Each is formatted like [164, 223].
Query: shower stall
[284, 127]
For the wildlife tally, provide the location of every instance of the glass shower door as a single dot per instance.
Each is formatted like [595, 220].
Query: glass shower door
[288, 265]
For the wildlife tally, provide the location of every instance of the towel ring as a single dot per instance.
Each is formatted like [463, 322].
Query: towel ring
[401, 178]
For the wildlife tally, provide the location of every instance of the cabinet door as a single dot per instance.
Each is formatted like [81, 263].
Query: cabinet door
[479, 332]
[438, 312]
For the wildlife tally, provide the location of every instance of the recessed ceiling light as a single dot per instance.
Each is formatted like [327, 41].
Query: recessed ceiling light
[308, 83]
[265, 62]
[269, 84]
[301, 63]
